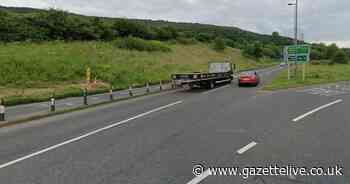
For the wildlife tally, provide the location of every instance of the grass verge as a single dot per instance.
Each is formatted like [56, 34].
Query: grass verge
[316, 74]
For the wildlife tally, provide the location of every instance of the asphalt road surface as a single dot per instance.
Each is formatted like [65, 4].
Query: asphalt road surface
[158, 139]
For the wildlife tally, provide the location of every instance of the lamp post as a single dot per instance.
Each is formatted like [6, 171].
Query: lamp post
[295, 32]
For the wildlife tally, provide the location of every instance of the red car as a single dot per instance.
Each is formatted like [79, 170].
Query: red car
[249, 78]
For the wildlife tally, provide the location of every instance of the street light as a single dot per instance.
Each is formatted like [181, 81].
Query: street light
[295, 31]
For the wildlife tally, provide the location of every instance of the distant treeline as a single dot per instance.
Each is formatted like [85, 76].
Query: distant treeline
[41, 25]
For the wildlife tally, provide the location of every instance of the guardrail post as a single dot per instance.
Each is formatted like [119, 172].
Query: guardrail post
[111, 97]
[2, 110]
[160, 86]
[130, 91]
[147, 88]
[85, 95]
[52, 104]
[173, 86]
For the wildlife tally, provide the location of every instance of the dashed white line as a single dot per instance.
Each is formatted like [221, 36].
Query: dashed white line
[200, 178]
[86, 135]
[316, 110]
[246, 148]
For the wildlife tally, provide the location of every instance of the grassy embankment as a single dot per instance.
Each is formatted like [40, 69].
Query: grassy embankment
[31, 72]
[316, 74]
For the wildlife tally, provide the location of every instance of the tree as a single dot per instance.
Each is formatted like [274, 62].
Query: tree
[127, 28]
[258, 51]
[219, 44]
[253, 50]
[275, 35]
[331, 51]
[315, 54]
[203, 37]
[268, 52]
[340, 57]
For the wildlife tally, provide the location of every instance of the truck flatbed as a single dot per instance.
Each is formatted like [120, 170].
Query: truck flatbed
[220, 73]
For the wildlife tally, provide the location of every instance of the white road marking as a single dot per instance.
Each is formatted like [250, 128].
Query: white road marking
[86, 135]
[316, 110]
[214, 90]
[200, 178]
[69, 104]
[246, 148]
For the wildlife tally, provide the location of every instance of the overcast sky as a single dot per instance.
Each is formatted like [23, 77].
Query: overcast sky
[321, 20]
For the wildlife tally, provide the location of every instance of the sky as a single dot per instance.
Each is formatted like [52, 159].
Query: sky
[320, 20]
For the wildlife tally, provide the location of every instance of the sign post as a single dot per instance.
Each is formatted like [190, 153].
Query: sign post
[304, 71]
[298, 54]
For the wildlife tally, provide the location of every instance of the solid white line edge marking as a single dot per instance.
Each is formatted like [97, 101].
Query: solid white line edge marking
[247, 147]
[87, 135]
[200, 178]
[316, 110]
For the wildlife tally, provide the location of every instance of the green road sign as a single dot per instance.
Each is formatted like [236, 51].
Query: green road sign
[298, 53]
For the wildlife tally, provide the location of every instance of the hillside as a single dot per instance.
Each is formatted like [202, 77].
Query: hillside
[34, 71]
[234, 36]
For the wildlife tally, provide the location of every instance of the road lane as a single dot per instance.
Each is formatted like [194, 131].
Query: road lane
[160, 148]
[113, 125]
[46, 132]
[320, 141]
[161, 141]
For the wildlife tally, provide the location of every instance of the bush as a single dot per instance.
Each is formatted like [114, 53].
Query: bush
[133, 43]
[340, 57]
[186, 41]
[253, 50]
[219, 44]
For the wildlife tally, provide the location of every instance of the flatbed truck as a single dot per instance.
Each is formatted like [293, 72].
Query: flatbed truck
[219, 72]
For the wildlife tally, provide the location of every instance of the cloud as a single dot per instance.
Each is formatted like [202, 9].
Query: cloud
[320, 20]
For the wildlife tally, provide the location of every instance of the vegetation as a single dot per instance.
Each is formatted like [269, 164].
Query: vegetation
[219, 44]
[59, 67]
[340, 57]
[46, 51]
[316, 74]
[133, 43]
[18, 24]
[25, 24]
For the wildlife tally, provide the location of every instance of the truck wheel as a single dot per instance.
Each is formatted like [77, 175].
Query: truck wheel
[211, 85]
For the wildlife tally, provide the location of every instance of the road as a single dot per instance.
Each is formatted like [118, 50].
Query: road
[160, 138]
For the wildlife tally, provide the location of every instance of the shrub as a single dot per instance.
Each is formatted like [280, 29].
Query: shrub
[132, 43]
[219, 44]
[186, 41]
[340, 57]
